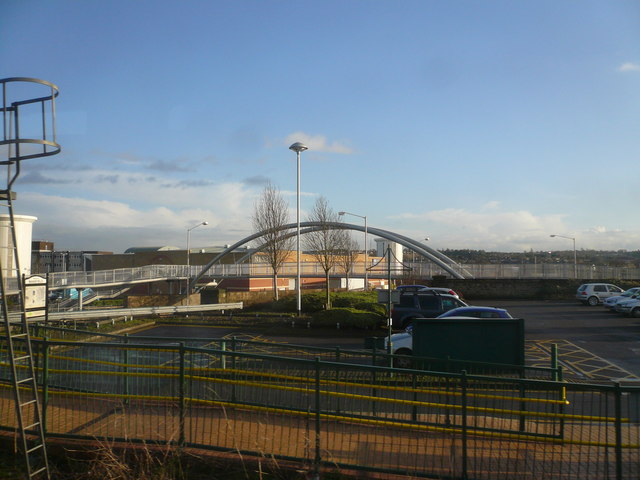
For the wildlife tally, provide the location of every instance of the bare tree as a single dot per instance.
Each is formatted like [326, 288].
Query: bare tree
[271, 213]
[347, 254]
[324, 242]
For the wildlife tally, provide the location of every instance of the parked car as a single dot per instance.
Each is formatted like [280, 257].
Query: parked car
[594, 293]
[421, 304]
[410, 288]
[402, 343]
[441, 291]
[629, 307]
[476, 312]
[610, 303]
[424, 288]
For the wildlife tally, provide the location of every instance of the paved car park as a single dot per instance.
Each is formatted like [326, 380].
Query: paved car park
[591, 340]
[593, 343]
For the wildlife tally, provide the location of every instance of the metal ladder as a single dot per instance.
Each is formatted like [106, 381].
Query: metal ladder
[38, 141]
[21, 359]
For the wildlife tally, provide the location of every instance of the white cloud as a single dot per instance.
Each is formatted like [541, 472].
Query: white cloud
[318, 143]
[629, 67]
[493, 205]
[84, 224]
[495, 230]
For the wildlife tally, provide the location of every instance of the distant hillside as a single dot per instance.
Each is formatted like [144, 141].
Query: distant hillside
[620, 258]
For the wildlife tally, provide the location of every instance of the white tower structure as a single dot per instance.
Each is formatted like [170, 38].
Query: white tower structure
[396, 249]
[24, 230]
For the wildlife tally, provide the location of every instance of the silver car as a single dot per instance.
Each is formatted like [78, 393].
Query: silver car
[610, 303]
[594, 293]
[629, 307]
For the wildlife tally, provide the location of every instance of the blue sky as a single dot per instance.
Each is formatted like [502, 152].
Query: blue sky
[479, 124]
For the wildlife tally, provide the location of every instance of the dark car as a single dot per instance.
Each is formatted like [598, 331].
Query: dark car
[410, 288]
[476, 312]
[421, 304]
[424, 288]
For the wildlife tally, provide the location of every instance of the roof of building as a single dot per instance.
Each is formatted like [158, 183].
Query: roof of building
[150, 249]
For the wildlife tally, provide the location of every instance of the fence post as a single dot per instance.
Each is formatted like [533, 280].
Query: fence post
[233, 367]
[414, 387]
[618, 408]
[464, 424]
[338, 377]
[523, 404]
[316, 462]
[45, 383]
[557, 377]
[125, 369]
[181, 395]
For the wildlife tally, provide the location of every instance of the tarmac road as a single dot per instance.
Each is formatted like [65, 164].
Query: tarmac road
[592, 341]
[606, 335]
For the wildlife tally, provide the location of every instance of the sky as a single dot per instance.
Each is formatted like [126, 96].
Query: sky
[486, 125]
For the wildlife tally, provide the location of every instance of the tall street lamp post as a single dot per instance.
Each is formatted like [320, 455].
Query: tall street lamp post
[575, 257]
[366, 258]
[298, 147]
[189, 257]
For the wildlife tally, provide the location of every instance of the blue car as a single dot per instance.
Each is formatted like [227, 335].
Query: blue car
[476, 312]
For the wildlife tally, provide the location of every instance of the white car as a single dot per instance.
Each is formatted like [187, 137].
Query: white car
[402, 343]
[629, 307]
[594, 293]
[610, 303]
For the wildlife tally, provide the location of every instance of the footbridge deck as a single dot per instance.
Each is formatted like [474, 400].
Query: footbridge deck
[157, 273]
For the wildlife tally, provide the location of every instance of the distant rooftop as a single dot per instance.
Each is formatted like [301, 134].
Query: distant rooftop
[212, 249]
[150, 249]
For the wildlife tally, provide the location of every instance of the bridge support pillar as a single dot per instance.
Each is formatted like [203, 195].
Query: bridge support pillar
[79, 290]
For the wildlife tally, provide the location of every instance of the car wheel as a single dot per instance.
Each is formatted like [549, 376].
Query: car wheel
[593, 301]
[635, 312]
[405, 361]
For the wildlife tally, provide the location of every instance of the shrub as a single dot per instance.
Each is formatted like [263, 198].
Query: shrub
[347, 318]
[316, 301]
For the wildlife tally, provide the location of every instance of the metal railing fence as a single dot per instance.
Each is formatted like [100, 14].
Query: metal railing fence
[125, 276]
[376, 356]
[334, 414]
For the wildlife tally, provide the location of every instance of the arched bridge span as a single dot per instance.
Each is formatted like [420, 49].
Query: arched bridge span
[420, 248]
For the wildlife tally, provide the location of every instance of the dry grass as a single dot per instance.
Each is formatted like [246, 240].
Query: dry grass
[108, 461]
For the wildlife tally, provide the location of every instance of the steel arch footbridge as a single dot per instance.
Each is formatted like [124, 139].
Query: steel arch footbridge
[444, 262]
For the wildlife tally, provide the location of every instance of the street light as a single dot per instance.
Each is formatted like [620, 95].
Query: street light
[298, 147]
[188, 257]
[366, 272]
[575, 258]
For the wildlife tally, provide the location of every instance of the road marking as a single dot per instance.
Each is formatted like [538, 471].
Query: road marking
[576, 360]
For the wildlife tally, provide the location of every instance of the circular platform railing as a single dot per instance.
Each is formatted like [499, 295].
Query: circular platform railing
[28, 112]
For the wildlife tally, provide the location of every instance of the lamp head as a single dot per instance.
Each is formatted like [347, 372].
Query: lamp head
[341, 213]
[298, 147]
[204, 223]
